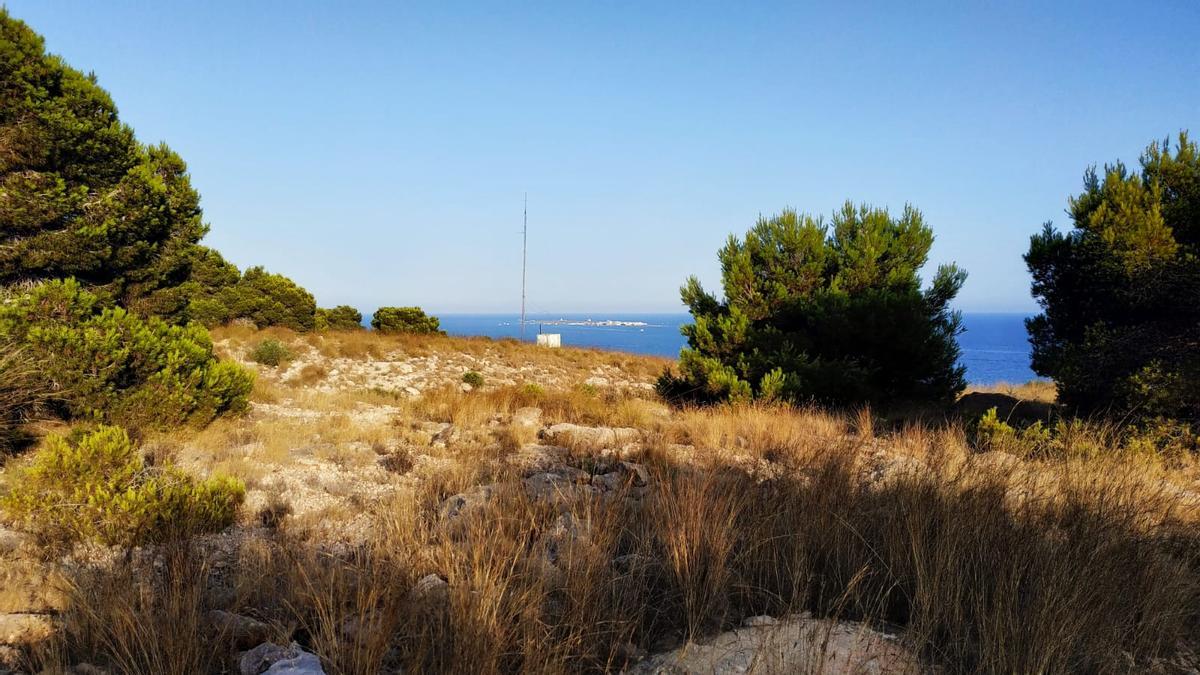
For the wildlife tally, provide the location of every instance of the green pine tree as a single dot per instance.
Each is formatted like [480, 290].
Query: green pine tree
[832, 313]
[79, 195]
[1120, 293]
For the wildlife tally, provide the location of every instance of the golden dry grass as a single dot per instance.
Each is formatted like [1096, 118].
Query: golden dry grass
[1035, 390]
[1065, 566]
[1074, 560]
[364, 343]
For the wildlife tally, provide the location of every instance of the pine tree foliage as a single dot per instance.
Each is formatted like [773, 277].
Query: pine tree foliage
[342, 317]
[105, 363]
[404, 320]
[1120, 292]
[79, 195]
[824, 312]
[81, 198]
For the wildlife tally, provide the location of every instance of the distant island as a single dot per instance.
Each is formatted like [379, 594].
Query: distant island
[590, 322]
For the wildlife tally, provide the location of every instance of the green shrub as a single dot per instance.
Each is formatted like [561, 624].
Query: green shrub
[97, 487]
[271, 352]
[107, 364]
[1120, 292]
[831, 314]
[993, 433]
[404, 320]
[270, 300]
[473, 378]
[342, 317]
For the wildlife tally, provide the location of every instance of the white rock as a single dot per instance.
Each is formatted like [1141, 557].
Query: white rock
[792, 645]
[527, 417]
[24, 629]
[11, 540]
[272, 659]
[574, 434]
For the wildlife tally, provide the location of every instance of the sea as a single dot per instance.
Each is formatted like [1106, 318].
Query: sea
[995, 347]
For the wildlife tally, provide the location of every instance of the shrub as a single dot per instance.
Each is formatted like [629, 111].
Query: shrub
[271, 352]
[834, 316]
[473, 378]
[404, 320]
[342, 317]
[1120, 292]
[991, 430]
[993, 433]
[270, 300]
[106, 364]
[97, 487]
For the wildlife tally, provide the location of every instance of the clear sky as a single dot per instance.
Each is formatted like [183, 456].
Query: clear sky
[377, 152]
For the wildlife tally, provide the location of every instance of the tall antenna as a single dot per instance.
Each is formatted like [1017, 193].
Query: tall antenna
[524, 250]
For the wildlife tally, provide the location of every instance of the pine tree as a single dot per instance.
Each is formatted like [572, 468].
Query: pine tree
[1120, 293]
[819, 313]
[79, 195]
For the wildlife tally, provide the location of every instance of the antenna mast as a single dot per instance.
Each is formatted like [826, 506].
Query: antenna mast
[524, 249]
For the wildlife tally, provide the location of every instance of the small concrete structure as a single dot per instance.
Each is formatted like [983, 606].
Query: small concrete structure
[553, 340]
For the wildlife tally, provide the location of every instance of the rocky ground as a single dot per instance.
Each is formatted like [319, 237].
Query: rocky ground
[330, 438]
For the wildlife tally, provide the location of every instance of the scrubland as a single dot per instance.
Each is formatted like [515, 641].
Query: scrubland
[559, 517]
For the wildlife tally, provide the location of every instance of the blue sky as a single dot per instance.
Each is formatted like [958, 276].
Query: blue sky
[378, 152]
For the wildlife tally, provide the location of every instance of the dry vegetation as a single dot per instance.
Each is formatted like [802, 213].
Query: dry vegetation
[460, 530]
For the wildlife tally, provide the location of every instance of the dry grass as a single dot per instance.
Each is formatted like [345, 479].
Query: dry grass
[1044, 391]
[22, 391]
[141, 622]
[579, 405]
[361, 344]
[1081, 559]
[1061, 565]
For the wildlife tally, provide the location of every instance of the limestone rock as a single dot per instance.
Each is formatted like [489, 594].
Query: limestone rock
[430, 597]
[447, 436]
[11, 540]
[625, 474]
[563, 483]
[24, 628]
[886, 469]
[431, 592]
[242, 631]
[567, 531]
[798, 644]
[574, 434]
[527, 417]
[465, 502]
[272, 659]
[86, 669]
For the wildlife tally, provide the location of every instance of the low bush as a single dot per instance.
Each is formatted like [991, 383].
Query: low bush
[271, 352]
[342, 317]
[96, 486]
[1076, 438]
[107, 364]
[404, 320]
[473, 378]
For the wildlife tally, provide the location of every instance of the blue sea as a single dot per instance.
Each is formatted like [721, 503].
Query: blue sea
[994, 346]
